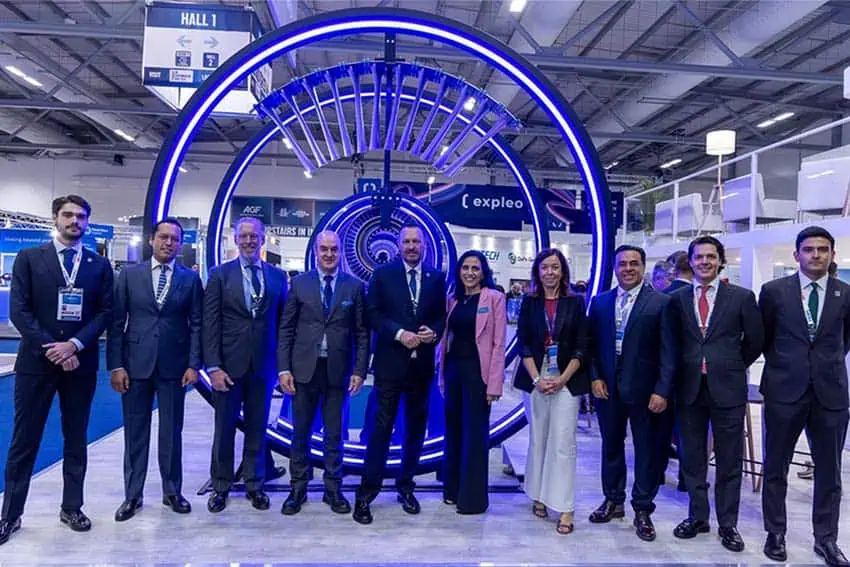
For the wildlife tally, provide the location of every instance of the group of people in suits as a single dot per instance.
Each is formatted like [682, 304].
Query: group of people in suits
[651, 359]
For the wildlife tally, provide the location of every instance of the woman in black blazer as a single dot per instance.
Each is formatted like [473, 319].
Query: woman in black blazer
[552, 315]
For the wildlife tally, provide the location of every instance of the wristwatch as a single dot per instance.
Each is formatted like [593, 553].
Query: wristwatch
[534, 381]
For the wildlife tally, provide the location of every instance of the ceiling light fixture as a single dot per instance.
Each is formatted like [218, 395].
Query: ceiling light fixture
[612, 165]
[770, 122]
[183, 169]
[124, 135]
[517, 6]
[23, 76]
[431, 180]
[671, 163]
[308, 175]
[469, 104]
[287, 143]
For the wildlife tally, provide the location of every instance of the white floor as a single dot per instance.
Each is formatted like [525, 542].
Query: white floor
[507, 534]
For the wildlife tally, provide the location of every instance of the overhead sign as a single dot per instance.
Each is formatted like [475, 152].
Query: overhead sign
[190, 237]
[293, 212]
[101, 231]
[13, 240]
[255, 207]
[185, 43]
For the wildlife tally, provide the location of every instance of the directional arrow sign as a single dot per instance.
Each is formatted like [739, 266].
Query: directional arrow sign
[184, 41]
[211, 42]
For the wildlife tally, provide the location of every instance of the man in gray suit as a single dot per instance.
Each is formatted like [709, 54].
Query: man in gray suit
[323, 342]
[243, 303]
[154, 347]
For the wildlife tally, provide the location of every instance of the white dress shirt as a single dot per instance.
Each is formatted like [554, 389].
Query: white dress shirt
[78, 249]
[806, 289]
[710, 296]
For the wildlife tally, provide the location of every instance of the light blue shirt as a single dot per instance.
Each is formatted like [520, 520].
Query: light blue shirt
[78, 249]
[247, 286]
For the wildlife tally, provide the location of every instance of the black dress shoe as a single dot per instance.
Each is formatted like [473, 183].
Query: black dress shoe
[774, 547]
[7, 528]
[362, 512]
[128, 509]
[607, 512]
[259, 499]
[408, 502]
[275, 473]
[217, 502]
[75, 520]
[689, 528]
[831, 553]
[644, 528]
[177, 503]
[731, 539]
[293, 502]
[337, 501]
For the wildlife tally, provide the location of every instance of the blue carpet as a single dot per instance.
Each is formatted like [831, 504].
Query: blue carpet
[106, 416]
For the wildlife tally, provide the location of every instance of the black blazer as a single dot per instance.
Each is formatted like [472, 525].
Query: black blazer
[676, 285]
[144, 338]
[792, 361]
[732, 343]
[649, 346]
[571, 330]
[33, 298]
[389, 309]
[233, 340]
[303, 325]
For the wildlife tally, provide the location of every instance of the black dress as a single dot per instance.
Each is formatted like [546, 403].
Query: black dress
[467, 415]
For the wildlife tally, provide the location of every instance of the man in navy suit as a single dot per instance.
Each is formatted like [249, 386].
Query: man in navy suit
[323, 355]
[807, 336]
[406, 305]
[154, 347]
[720, 336]
[60, 303]
[243, 304]
[633, 348]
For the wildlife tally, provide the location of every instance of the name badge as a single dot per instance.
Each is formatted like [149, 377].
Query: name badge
[483, 309]
[619, 342]
[70, 304]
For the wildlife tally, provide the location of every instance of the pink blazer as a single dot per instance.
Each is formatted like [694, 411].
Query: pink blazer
[490, 324]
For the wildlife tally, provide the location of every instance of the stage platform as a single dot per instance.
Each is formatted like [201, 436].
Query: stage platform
[507, 535]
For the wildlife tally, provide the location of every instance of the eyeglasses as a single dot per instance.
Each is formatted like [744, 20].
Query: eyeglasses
[248, 237]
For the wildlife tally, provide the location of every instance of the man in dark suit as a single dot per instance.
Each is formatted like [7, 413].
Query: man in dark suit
[632, 343]
[323, 354]
[406, 306]
[60, 302]
[243, 304]
[683, 276]
[720, 336]
[807, 335]
[154, 347]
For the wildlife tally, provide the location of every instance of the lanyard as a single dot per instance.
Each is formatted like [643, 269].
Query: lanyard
[255, 299]
[550, 322]
[160, 297]
[71, 280]
[621, 311]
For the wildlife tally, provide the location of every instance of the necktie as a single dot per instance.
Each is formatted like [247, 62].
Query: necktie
[68, 259]
[412, 284]
[702, 306]
[255, 279]
[814, 302]
[163, 279]
[327, 295]
[624, 299]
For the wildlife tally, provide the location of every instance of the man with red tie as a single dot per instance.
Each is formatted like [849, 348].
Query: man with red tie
[721, 336]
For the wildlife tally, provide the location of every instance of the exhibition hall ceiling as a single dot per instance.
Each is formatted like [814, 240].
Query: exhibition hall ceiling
[648, 78]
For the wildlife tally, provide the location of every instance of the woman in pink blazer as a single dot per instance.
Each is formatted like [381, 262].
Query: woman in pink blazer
[472, 369]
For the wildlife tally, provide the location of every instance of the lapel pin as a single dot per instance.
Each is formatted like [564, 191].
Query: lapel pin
[89, 260]
[837, 293]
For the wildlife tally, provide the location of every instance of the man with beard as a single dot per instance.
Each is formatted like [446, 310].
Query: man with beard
[154, 347]
[406, 305]
[243, 304]
[60, 302]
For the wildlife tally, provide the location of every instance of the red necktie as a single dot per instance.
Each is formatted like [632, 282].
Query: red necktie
[702, 306]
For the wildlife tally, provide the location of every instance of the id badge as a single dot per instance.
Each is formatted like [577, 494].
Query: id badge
[70, 304]
[619, 342]
[551, 368]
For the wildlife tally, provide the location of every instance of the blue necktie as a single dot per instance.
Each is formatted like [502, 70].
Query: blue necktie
[255, 279]
[68, 259]
[163, 279]
[327, 295]
[412, 284]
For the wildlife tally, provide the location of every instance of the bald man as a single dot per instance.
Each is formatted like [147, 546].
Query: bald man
[323, 354]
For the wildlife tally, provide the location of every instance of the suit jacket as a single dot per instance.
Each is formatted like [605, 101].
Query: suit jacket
[490, 323]
[144, 338]
[571, 331]
[649, 349]
[304, 324]
[793, 363]
[233, 340]
[676, 285]
[390, 309]
[33, 302]
[731, 344]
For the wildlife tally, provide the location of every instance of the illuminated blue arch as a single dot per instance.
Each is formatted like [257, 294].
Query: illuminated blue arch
[379, 20]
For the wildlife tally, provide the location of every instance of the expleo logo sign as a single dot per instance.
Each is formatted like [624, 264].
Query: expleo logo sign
[490, 203]
[491, 255]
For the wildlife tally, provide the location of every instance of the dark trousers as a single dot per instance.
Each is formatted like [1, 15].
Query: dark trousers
[137, 406]
[415, 386]
[613, 415]
[465, 467]
[307, 397]
[664, 427]
[728, 427]
[33, 397]
[253, 395]
[826, 430]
